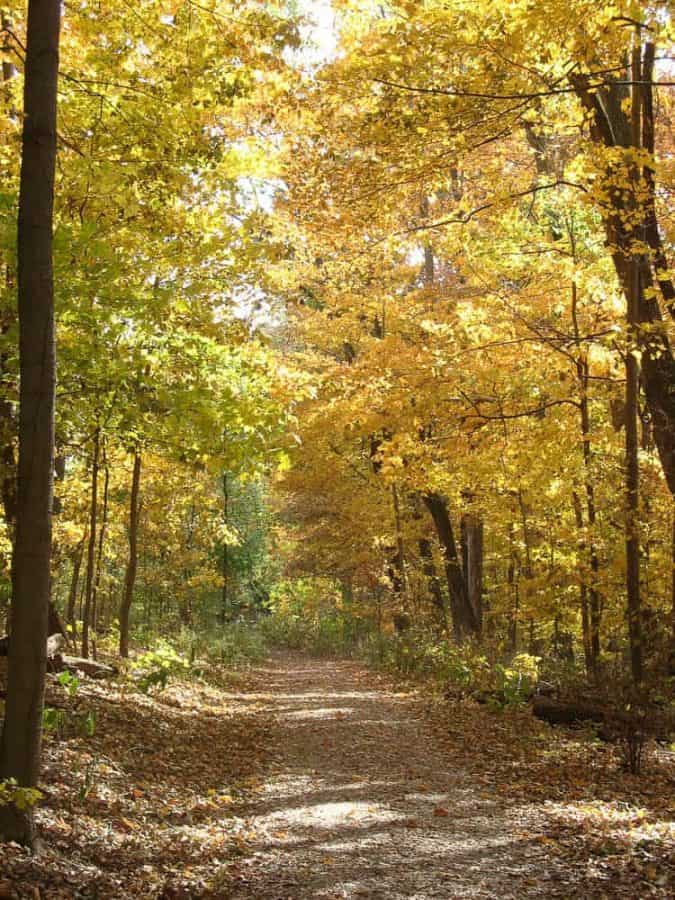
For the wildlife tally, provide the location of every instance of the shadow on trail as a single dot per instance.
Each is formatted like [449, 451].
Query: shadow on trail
[362, 802]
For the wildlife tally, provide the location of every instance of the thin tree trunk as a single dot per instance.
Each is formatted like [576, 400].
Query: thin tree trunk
[91, 549]
[513, 587]
[8, 67]
[527, 569]
[632, 439]
[99, 556]
[132, 563]
[20, 747]
[593, 608]
[583, 590]
[472, 557]
[225, 560]
[74, 581]
[400, 553]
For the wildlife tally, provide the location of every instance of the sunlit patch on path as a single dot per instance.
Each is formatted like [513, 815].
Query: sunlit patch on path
[362, 802]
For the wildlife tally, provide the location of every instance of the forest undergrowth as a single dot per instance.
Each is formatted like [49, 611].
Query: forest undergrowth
[142, 805]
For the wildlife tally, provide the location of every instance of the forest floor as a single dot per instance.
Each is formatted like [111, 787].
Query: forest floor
[320, 779]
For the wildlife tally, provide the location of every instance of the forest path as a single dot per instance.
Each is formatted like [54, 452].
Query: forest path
[362, 801]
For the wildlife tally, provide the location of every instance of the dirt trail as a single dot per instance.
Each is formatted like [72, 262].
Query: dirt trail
[362, 802]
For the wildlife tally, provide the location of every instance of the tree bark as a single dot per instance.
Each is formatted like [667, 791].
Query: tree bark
[20, 748]
[132, 563]
[472, 558]
[671, 659]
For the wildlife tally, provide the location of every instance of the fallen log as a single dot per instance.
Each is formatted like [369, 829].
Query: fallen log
[613, 724]
[558, 712]
[79, 666]
[57, 636]
[542, 690]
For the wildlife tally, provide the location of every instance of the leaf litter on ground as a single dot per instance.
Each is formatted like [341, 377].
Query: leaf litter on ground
[322, 779]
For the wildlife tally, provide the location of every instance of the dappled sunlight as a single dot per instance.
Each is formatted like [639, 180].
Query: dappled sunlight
[324, 783]
[362, 802]
[330, 815]
[615, 822]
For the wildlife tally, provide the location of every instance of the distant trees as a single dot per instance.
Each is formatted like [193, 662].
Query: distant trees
[489, 185]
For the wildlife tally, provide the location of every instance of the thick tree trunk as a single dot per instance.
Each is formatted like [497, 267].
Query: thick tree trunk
[91, 548]
[132, 564]
[464, 620]
[21, 736]
[8, 422]
[671, 659]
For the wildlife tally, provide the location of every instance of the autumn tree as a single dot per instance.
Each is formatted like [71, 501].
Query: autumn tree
[20, 749]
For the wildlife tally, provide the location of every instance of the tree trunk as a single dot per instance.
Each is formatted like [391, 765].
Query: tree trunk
[429, 569]
[95, 614]
[671, 659]
[132, 563]
[8, 423]
[632, 438]
[583, 590]
[399, 558]
[512, 581]
[21, 736]
[225, 560]
[612, 127]
[74, 582]
[464, 621]
[91, 549]
[591, 601]
[472, 558]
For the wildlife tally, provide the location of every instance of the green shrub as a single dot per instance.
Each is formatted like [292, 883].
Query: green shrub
[154, 668]
[54, 720]
[464, 668]
[69, 682]
[61, 722]
[21, 797]
[239, 644]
